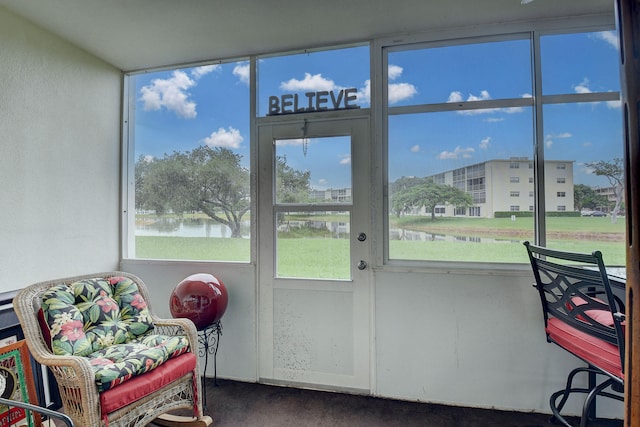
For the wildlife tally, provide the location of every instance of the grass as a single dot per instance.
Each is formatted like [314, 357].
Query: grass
[314, 253]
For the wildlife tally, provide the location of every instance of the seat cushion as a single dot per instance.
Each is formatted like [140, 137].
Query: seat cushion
[118, 363]
[92, 314]
[594, 351]
[145, 384]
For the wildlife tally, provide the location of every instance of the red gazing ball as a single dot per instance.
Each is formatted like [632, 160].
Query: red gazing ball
[201, 297]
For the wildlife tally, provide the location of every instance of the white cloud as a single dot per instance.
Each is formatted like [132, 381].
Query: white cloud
[322, 181]
[345, 159]
[614, 104]
[310, 82]
[394, 71]
[458, 153]
[204, 70]
[242, 72]
[494, 119]
[582, 87]
[400, 91]
[611, 37]
[485, 142]
[456, 96]
[548, 143]
[230, 138]
[170, 94]
[364, 93]
[415, 149]
[562, 135]
[295, 141]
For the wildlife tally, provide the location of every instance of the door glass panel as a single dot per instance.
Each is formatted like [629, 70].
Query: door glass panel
[313, 245]
[313, 170]
[313, 173]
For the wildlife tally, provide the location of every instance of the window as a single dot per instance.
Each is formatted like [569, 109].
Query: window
[449, 122]
[191, 140]
[579, 134]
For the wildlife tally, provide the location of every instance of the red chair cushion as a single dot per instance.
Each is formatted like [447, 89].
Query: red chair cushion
[595, 351]
[142, 385]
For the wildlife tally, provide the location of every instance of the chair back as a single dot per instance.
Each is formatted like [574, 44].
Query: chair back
[575, 289]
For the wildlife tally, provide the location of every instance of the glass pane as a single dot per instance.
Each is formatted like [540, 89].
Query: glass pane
[436, 75]
[580, 63]
[461, 185]
[314, 81]
[313, 245]
[191, 142]
[313, 170]
[584, 177]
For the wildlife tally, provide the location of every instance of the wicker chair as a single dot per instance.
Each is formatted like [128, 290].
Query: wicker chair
[90, 396]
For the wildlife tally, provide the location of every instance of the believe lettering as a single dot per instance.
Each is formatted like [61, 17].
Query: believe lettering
[315, 101]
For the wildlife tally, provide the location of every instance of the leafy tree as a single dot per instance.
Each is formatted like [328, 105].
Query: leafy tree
[210, 180]
[614, 172]
[586, 197]
[411, 193]
[292, 186]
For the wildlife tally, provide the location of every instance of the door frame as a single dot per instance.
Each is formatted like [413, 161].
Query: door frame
[361, 283]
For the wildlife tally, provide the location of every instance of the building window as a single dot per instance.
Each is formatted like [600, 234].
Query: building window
[474, 211]
[514, 179]
[514, 194]
[530, 180]
[514, 165]
[460, 211]
[561, 166]
[561, 180]
[562, 208]
[514, 208]
[561, 194]
[531, 193]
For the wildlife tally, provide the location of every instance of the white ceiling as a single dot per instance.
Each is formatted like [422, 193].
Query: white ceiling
[137, 34]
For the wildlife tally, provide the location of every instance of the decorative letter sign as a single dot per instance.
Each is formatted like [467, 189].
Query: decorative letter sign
[315, 101]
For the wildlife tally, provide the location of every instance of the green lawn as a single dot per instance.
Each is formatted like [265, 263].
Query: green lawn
[316, 255]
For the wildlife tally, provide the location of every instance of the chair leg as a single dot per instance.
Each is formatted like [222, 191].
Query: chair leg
[590, 397]
[169, 420]
[556, 408]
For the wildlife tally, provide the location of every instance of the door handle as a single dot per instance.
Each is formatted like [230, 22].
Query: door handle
[362, 265]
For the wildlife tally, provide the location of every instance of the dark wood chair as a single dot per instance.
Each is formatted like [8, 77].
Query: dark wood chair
[583, 316]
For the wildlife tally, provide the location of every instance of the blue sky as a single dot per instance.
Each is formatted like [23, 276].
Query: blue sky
[181, 109]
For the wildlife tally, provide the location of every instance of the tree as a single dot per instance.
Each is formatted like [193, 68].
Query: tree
[586, 197]
[614, 172]
[292, 186]
[419, 193]
[210, 180]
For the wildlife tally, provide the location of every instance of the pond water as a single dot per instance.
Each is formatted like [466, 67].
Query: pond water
[188, 227]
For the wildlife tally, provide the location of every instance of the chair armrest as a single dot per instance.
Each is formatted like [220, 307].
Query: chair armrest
[180, 326]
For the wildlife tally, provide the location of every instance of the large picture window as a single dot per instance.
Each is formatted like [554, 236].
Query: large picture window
[461, 148]
[191, 142]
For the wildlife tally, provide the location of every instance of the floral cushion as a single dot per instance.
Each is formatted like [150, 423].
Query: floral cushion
[107, 320]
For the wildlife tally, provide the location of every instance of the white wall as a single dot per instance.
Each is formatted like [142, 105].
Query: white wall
[59, 157]
[458, 338]
[237, 353]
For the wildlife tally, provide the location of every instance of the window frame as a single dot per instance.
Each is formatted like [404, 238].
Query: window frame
[533, 31]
